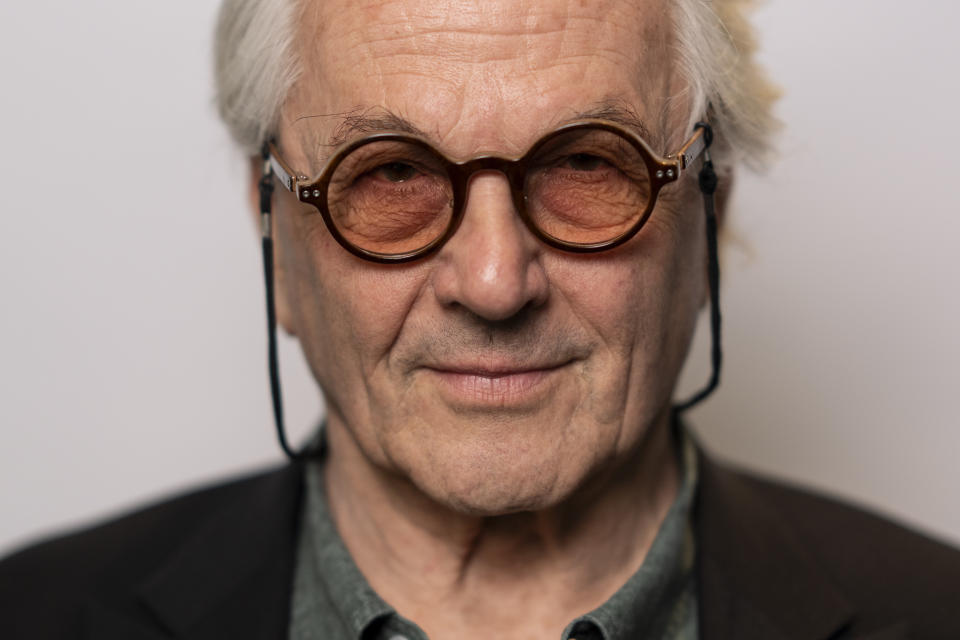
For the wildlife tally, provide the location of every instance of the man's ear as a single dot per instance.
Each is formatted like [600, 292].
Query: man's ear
[284, 317]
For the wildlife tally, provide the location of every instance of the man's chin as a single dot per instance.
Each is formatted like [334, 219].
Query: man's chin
[498, 463]
[497, 501]
[491, 485]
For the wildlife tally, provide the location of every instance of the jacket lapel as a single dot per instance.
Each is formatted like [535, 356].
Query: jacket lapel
[101, 622]
[232, 578]
[756, 580]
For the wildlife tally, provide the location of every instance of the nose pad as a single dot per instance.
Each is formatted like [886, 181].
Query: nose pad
[492, 264]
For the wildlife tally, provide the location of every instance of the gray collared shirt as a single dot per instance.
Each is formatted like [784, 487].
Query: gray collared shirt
[333, 601]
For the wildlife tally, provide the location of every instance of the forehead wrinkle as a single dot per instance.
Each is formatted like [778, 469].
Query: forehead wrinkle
[418, 56]
[551, 39]
[472, 32]
[468, 33]
[410, 18]
[417, 35]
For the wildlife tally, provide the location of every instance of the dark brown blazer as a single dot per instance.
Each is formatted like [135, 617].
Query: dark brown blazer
[774, 563]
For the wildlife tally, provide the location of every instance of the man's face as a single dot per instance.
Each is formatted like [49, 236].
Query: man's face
[498, 374]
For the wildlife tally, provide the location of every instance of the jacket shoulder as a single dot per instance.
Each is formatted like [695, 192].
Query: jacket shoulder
[44, 587]
[857, 539]
[885, 570]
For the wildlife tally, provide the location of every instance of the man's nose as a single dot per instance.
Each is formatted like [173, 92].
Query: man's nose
[492, 264]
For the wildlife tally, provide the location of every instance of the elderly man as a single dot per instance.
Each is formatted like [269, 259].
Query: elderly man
[485, 223]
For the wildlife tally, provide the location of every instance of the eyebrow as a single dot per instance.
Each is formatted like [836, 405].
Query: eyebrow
[618, 112]
[380, 119]
[360, 123]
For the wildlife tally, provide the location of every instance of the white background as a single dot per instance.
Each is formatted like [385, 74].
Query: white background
[132, 357]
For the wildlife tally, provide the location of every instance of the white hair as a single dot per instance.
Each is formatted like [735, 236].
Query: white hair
[717, 56]
[256, 64]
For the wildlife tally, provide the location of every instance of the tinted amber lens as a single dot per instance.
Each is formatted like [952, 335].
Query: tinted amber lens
[587, 186]
[390, 197]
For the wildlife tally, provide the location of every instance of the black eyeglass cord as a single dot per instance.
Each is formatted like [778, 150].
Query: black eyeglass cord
[266, 242]
[707, 180]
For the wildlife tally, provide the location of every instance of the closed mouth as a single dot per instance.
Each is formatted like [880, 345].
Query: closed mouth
[498, 384]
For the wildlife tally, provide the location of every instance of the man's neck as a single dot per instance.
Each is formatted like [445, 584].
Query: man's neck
[558, 562]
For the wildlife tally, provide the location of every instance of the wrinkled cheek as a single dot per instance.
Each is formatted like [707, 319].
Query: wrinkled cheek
[302, 248]
[354, 311]
[680, 281]
[656, 298]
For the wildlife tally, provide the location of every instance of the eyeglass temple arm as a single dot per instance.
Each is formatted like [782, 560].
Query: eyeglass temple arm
[698, 143]
[280, 169]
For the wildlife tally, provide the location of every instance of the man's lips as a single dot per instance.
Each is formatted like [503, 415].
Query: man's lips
[494, 383]
[492, 370]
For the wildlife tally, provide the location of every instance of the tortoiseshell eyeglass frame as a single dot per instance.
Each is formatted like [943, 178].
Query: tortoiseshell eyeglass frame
[662, 171]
